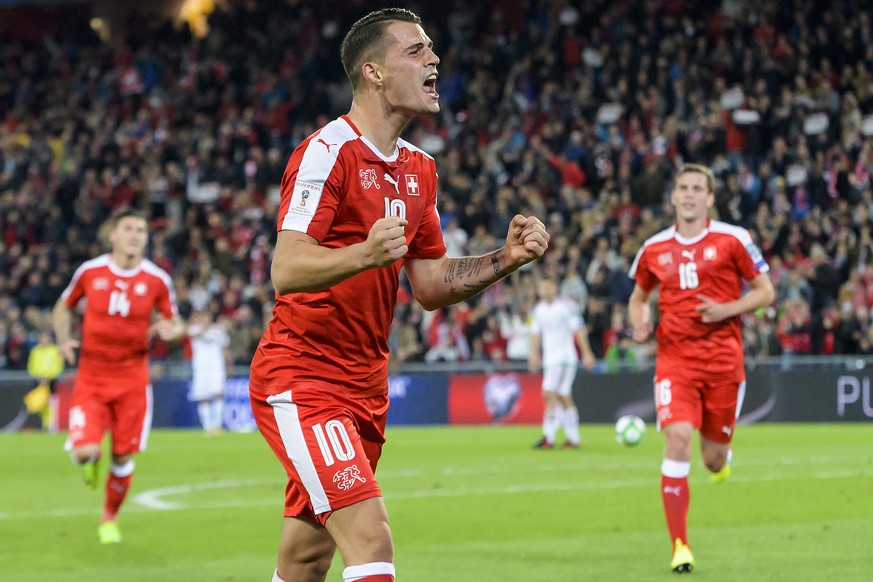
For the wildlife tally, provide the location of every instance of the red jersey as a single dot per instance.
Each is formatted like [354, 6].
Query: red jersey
[335, 187]
[715, 263]
[117, 314]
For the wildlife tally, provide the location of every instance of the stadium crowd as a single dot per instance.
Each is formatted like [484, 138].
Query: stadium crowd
[576, 112]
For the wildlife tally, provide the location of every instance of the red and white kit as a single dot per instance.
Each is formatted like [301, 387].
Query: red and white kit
[319, 378]
[112, 383]
[700, 365]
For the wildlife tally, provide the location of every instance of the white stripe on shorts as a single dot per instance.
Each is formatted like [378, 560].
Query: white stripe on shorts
[291, 432]
[147, 420]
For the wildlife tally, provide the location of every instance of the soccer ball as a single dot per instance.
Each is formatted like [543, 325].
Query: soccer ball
[629, 430]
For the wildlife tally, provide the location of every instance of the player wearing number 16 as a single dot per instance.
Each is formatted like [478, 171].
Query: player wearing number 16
[702, 269]
[126, 299]
[357, 204]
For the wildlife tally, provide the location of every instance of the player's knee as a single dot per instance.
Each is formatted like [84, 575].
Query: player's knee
[678, 444]
[376, 543]
[121, 459]
[306, 562]
[715, 462]
[85, 453]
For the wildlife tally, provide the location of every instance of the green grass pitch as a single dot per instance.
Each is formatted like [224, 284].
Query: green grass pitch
[466, 504]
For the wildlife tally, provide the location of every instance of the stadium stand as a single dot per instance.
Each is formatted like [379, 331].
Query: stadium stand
[578, 113]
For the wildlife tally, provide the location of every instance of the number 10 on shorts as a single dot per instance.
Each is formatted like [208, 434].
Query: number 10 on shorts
[334, 442]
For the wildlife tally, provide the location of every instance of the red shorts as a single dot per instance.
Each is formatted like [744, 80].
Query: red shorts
[711, 405]
[122, 407]
[328, 444]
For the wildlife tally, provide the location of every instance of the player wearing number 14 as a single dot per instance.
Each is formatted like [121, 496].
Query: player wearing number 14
[701, 268]
[127, 300]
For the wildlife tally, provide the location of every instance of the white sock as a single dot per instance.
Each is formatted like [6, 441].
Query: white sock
[570, 423]
[203, 413]
[217, 416]
[550, 426]
[675, 469]
[353, 573]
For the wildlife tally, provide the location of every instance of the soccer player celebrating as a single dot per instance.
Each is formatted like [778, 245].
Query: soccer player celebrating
[557, 328]
[122, 290]
[701, 267]
[357, 204]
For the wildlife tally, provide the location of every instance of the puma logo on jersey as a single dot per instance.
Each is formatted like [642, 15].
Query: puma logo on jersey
[688, 254]
[391, 181]
[325, 144]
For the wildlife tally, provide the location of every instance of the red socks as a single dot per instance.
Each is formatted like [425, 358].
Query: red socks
[676, 497]
[117, 485]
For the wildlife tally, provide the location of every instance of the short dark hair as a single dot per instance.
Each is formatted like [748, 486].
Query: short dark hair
[365, 40]
[126, 213]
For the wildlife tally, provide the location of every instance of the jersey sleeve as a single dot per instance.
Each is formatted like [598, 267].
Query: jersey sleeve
[311, 190]
[166, 299]
[641, 273]
[749, 258]
[574, 315]
[75, 290]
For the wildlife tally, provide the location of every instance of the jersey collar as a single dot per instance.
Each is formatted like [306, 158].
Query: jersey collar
[690, 241]
[369, 144]
[116, 270]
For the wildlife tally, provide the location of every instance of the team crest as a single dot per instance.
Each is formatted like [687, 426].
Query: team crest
[412, 185]
[665, 258]
[709, 254]
[101, 284]
[346, 478]
[368, 179]
[140, 288]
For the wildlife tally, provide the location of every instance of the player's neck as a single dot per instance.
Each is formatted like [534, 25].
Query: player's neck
[125, 261]
[691, 228]
[381, 127]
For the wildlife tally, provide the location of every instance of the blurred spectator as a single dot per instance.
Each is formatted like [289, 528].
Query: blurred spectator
[581, 122]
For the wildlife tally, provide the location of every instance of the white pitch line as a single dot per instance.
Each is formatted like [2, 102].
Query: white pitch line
[154, 499]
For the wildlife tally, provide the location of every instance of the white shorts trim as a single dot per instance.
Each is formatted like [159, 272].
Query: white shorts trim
[291, 433]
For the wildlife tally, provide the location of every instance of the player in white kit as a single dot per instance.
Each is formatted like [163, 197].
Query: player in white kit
[210, 362]
[557, 328]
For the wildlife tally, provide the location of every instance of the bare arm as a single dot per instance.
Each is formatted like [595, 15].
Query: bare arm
[640, 314]
[301, 264]
[535, 357]
[168, 329]
[62, 321]
[761, 295]
[588, 358]
[444, 281]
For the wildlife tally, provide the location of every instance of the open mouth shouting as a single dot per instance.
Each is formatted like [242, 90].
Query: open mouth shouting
[430, 86]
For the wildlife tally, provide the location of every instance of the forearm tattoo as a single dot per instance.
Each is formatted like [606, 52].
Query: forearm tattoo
[468, 276]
